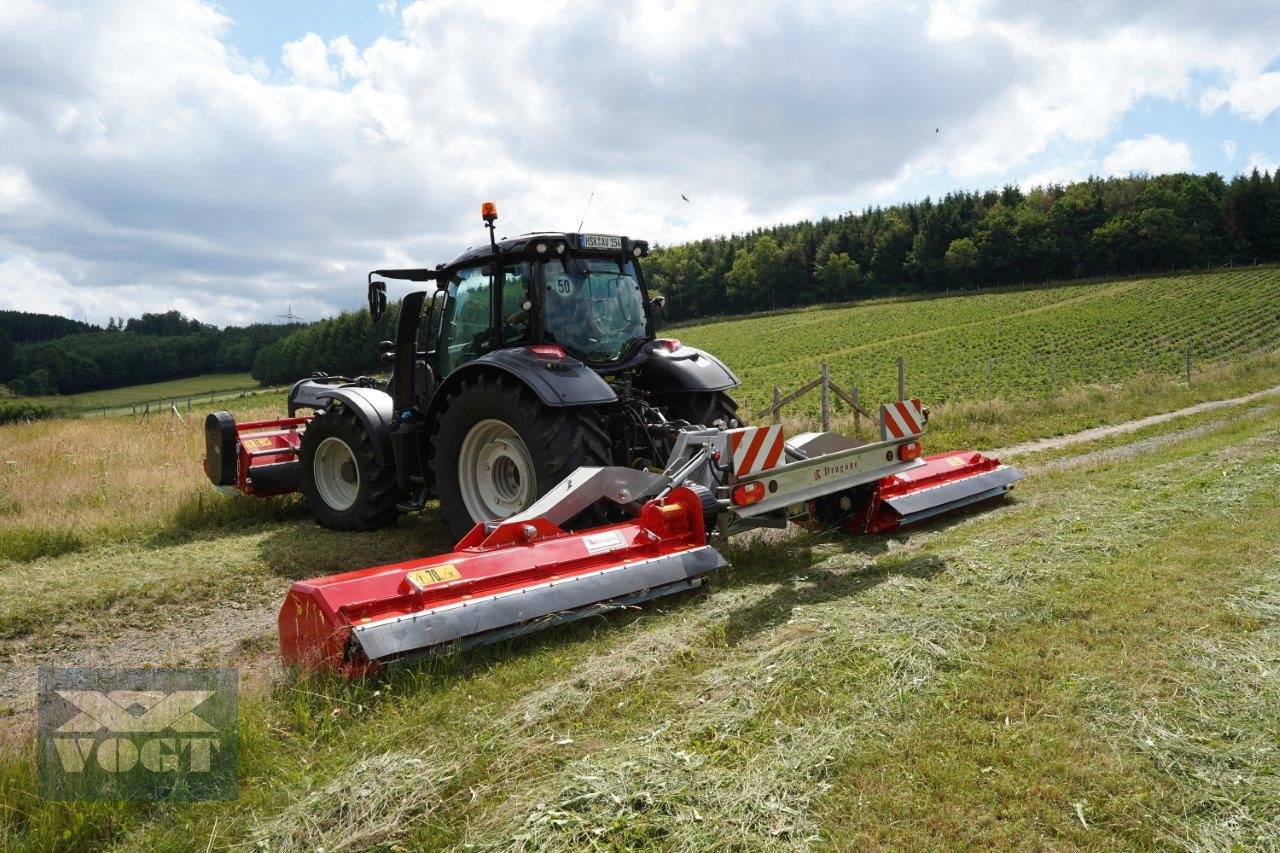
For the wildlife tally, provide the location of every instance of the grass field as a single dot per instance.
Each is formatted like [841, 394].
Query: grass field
[174, 389]
[1009, 344]
[1091, 665]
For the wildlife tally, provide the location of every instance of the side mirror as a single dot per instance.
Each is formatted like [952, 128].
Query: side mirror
[377, 299]
[386, 351]
[658, 303]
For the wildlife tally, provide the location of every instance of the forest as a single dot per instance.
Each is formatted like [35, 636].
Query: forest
[1098, 227]
[41, 354]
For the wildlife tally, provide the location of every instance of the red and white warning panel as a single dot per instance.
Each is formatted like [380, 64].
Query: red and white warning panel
[756, 449]
[902, 419]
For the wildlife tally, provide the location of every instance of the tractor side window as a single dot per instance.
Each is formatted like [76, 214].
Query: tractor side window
[516, 294]
[466, 330]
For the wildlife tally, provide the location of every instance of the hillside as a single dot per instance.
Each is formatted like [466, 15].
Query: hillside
[146, 349]
[198, 389]
[1009, 343]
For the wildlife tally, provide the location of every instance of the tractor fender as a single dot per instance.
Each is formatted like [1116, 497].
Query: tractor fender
[686, 369]
[556, 382]
[372, 407]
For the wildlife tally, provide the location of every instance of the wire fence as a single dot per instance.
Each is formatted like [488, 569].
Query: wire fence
[825, 398]
[179, 404]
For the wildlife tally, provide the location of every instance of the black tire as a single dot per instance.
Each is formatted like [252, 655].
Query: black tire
[375, 502]
[558, 440]
[704, 408]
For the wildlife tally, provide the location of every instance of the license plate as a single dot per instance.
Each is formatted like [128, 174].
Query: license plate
[601, 241]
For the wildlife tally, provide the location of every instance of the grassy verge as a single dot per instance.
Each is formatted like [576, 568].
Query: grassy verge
[991, 680]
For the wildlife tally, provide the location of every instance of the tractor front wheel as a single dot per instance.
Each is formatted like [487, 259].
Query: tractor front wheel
[345, 485]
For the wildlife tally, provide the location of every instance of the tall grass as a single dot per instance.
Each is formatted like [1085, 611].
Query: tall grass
[66, 484]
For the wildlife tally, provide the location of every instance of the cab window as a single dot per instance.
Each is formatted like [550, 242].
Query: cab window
[466, 328]
[468, 312]
[515, 304]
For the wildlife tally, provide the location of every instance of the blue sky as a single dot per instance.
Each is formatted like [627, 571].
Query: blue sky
[258, 29]
[232, 158]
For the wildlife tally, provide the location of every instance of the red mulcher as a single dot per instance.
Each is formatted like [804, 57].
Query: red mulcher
[526, 573]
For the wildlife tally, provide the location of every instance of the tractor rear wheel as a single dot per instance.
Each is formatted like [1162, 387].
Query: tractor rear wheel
[345, 485]
[498, 449]
[704, 408]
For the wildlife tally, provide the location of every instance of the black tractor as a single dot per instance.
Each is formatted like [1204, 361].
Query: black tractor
[529, 358]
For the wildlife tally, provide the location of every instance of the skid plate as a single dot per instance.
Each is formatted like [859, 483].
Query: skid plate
[530, 607]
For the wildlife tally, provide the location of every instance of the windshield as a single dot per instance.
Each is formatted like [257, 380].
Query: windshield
[593, 307]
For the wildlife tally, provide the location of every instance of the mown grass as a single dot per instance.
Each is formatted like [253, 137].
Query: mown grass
[967, 684]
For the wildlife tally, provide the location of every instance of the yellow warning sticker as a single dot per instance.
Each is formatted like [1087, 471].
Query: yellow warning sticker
[257, 443]
[955, 461]
[424, 578]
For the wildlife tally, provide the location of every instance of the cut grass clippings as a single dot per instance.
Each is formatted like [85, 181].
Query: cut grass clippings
[826, 692]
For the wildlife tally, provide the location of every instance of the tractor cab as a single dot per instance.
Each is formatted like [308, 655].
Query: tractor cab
[580, 295]
[542, 290]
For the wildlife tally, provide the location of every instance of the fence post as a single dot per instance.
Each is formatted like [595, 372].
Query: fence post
[857, 413]
[902, 379]
[147, 410]
[777, 404]
[826, 398]
[1188, 362]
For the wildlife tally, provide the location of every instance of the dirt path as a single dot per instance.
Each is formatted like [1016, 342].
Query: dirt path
[1137, 448]
[225, 636]
[1060, 441]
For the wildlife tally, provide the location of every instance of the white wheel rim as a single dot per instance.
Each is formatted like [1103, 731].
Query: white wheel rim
[336, 473]
[495, 472]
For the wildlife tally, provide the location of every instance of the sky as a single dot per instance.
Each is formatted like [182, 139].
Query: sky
[236, 159]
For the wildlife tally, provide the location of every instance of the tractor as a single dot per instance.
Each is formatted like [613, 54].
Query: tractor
[582, 463]
[531, 357]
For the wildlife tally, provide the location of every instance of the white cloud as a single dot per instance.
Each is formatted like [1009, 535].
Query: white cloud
[1229, 150]
[1254, 96]
[1153, 154]
[147, 163]
[308, 61]
[16, 191]
[1262, 162]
